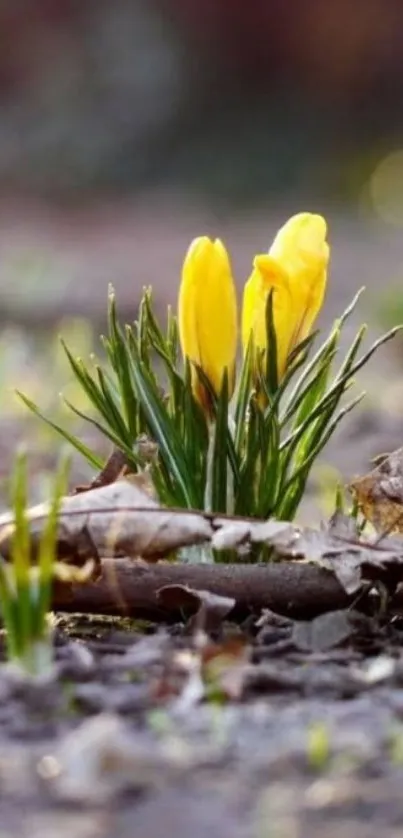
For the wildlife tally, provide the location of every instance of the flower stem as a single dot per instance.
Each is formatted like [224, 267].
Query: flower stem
[208, 491]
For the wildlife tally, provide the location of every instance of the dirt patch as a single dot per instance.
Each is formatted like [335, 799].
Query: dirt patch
[121, 743]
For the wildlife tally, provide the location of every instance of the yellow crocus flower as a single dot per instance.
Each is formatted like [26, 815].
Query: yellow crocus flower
[296, 269]
[207, 315]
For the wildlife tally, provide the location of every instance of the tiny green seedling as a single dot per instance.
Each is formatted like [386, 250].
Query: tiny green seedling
[26, 583]
[318, 746]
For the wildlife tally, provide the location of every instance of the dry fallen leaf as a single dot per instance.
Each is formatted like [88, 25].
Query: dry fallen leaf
[207, 609]
[354, 560]
[111, 521]
[225, 665]
[379, 493]
[324, 632]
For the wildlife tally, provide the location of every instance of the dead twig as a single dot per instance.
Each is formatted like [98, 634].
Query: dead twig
[111, 471]
[129, 588]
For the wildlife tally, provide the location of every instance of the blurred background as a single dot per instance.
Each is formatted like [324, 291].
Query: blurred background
[127, 128]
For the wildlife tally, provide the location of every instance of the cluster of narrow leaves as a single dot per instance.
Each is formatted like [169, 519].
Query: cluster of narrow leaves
[26, 586]
[252, 457]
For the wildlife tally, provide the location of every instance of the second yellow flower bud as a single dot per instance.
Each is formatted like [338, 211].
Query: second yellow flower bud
[296, 270]
[207, 312]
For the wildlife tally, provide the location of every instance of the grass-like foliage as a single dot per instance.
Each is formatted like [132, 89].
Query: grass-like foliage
[26, 580]
[250, 455]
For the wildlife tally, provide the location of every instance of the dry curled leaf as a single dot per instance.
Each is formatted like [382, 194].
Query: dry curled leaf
[324, 632]
[379, 493]
[354, 560]
[208, 610]
[225, 665]
[111, 521]
[235, 534]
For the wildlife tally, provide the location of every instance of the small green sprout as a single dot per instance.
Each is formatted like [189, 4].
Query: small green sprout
[26, 584]
[318, 746]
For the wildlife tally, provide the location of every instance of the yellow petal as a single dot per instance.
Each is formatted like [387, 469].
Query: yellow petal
[207, 311]
[268, 275]
[301, 243]
[301, 249]
[308, 296]
[187, 300]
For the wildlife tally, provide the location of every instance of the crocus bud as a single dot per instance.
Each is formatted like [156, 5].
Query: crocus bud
[207, 314]
[296, 269]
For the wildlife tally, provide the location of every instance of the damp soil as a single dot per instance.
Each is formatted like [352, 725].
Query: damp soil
[299, 731]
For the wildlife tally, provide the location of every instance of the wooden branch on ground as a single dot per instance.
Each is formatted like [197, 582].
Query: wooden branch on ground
[130, 588]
